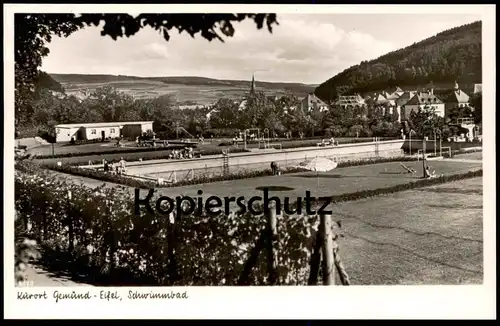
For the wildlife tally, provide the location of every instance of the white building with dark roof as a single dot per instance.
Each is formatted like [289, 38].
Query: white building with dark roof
[350, 100]
[101, 130]
[311, 101]
[422, 101]
[457, 98]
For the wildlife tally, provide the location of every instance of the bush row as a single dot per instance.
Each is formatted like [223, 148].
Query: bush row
[144, 184]
[99, 231]
[86, 142]
[114, 151]
[132, 155]
[117, 246]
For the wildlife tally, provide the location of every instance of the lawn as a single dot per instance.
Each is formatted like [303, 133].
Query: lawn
[426, 236]
[335, 182]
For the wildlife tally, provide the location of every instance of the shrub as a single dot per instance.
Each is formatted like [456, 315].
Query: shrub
[131, 156]
[86, 142]
[110, 239]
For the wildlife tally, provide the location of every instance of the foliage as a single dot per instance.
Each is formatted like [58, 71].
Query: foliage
[25, 250]
[476, 101]
[451, 55]
[194, 250]
[135, 150]
[426, 122]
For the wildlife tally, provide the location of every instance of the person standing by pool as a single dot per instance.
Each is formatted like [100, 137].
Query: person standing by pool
[275, 168]
[123, 165]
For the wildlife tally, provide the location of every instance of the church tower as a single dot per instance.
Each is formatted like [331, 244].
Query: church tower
[252, 88]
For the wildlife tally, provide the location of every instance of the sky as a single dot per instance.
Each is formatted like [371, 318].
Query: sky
[303, 48]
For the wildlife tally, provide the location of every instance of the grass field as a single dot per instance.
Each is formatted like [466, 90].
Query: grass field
[200, 94]
[427, 236]
[335, 182]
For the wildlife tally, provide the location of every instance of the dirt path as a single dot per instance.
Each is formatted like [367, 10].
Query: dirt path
[39, 277]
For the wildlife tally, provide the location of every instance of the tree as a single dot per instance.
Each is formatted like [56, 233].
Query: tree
[226, 114]
[476, 101]
[425, 121]
[32, 32]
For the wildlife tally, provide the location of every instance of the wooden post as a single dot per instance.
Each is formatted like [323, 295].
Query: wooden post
[344, 278]
[325, 227]
[272, 244]
[315, 261]
[252, 260]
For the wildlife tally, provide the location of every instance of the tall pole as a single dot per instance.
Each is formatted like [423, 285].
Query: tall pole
[423, 154]
[410, 142]
[245, 139]
[440, 146]
[435, 151]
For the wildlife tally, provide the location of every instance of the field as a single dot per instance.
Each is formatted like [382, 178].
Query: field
[335, 182]
[426, 236]
[202, 91]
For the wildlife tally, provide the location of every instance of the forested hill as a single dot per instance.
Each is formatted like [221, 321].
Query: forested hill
[45, 81]
[454, 54]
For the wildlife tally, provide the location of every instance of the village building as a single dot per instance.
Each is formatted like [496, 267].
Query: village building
[457, 98]
[397, 92]
[405, 97]
[102, 130]
[350, 100]
[422, 101]
[311, 102]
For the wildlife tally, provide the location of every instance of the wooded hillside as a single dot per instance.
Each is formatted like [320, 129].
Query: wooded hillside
[454, 54]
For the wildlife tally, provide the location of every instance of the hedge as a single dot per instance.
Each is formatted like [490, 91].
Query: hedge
[114, 151]
[116, 246]
[133, 157]
[112, 243]
[143, 184]
[86, 142]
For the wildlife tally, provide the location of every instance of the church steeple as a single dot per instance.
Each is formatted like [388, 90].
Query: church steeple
[252, 88]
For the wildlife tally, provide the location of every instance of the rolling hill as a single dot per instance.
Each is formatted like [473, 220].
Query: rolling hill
[199, 90]
[452, 55]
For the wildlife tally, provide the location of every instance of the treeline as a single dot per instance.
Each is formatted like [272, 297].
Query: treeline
[224, 119]
[279, 116]
[452, 55]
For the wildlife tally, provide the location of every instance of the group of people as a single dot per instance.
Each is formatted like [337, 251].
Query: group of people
[427, 171]
[183, 153]
[115, 167]
[275, 168]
